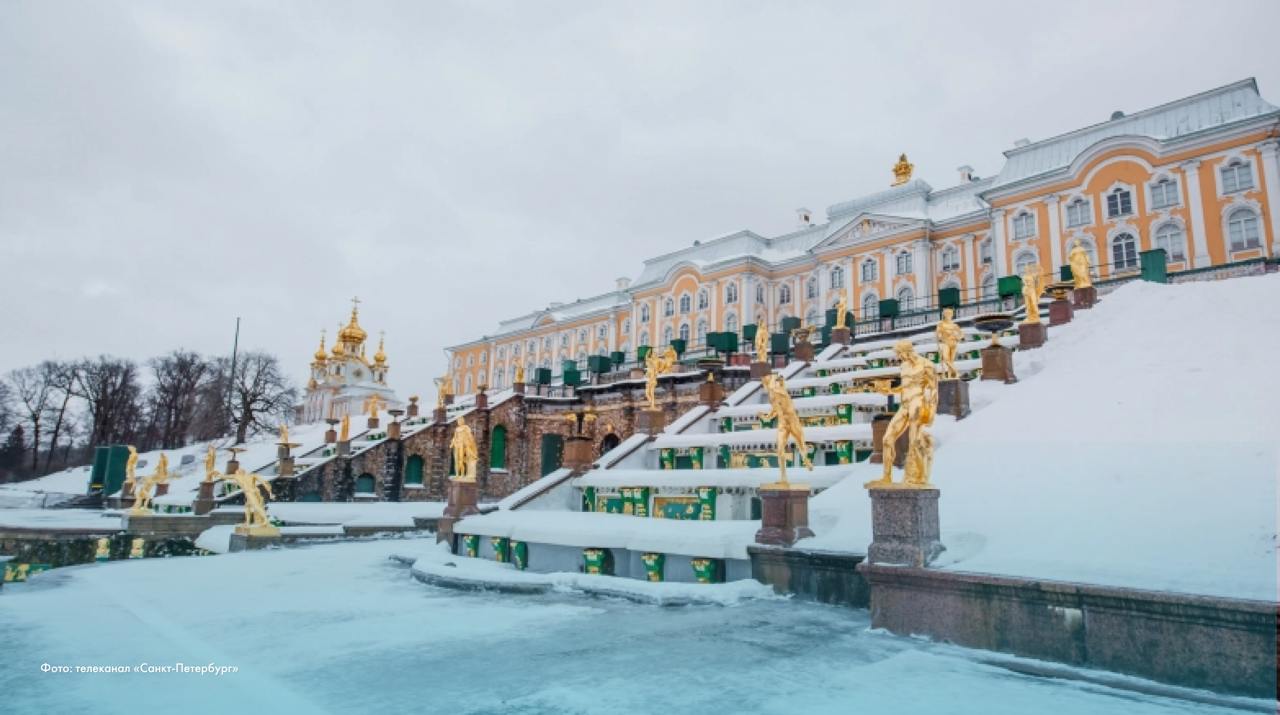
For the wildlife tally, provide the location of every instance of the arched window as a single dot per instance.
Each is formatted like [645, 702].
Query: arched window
[811, 288]
[626, 327]
[564, 340]
[581, 357]
[1023, 261]
[1242, 228]
[1124, 252]
[988, 286]
[644, 313]
[868, 270]
[784, 294]
[702, 332]
[950, 283]
[906, 297]
[602, 332]
[1164, 193]
[468, 384]
[582, 335]
[759, 292]
[1171, 239]
[413, 470]
[870, 306]
[1079, 213]
[903, 260]
[365, 483]
[498, 448]
[669, 308]
[685, 302]
[684, 333]
[1024, 225]
[703, 299]
[666, 336]
[609, 443]
[1236, 176]
[950, 259]
[1119, 203]
[497, 378]
[985, 252]
[731, 323]
[837, 277]
[731, 293]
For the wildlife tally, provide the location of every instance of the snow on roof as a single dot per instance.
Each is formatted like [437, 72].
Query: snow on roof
[819, 477]
[1184, 118]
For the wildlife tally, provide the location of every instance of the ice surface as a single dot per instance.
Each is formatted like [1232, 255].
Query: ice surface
[339, 628]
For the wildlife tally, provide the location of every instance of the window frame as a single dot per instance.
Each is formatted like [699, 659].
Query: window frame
[1122, 195]
[1084, 212]
[1024, 225]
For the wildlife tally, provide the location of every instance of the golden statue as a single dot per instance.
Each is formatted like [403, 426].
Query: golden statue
[842, 307]
[902, 171]
[949, 335]
[918, 402]
[1079, 260]
[131, 467]
[284, 433]
[789, 427]
[762, 343]
[143, 492]
[655, 365]
[256, 522]
[465, 454]
[520, 374]
[344, 435]
[1032, 288]
[210, 463]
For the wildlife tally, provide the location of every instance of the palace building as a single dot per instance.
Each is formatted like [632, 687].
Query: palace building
[1198, 177]
[344, 380]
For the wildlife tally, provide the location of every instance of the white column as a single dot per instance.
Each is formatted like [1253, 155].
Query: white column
[1271, 174]
[888, 270]
[997, 242]
[1191, 172]
[1055, 235]
[970, 258]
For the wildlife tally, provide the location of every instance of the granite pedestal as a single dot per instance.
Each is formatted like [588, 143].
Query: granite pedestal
[760, 369]
[578, 453]
[204, 502]
[785, 516]
[373, 423]
[462, 497]
[330, 436]
[997, 364]
[904, 526]
[711, 394]
[953, 398]
[651, 421]
[804, 351]
[1084, 298]
[1032, 335]
[1060, 312]
[254, 538]
[842, 336]
[344, 448]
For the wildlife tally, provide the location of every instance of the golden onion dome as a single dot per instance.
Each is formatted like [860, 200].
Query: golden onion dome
[338, 349]
[380, 357]
[321, 355]
[353, 333]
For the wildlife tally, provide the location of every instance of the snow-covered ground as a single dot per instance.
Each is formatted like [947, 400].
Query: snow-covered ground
[59, 519]
[340, 628]
[1138, 449]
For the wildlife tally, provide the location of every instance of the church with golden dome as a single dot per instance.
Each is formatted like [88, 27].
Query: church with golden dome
[344, 378]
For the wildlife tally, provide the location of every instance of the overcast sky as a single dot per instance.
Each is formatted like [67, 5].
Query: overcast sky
[166, 167]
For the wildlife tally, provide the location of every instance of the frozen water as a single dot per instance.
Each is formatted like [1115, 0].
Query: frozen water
[340, 628]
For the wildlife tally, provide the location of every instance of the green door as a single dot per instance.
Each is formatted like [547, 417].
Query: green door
[552, 451]
[413, 470]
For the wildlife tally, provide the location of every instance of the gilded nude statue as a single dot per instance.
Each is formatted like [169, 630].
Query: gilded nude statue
[842, 307]
[762, 343]
[949, 335]
[655, 365]
[464, 449]
[789, 427]
[918, 402]
[1032, 289]
[1080, 270]
[255, 506]
[210, 463]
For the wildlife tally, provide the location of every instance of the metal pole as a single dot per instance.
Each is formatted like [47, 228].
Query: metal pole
[231, 381]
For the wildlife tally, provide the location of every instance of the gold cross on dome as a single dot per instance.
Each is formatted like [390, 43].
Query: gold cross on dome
[355, 302]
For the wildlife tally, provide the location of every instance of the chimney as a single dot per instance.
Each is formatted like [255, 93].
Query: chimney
[804, 217]
[1117, 115]
[966, 173]
[1021, 143]
[624, 283]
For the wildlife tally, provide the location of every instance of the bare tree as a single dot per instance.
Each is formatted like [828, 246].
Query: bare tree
[174, 395]
[33, 389]
[6, 406]
[62, 381]
[261, 396]
[110, 389]
[211, 418]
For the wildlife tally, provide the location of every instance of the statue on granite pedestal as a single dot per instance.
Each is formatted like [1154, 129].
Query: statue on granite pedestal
[211, 464]
[142, 500]
[842, 307]
[131, 468]
[256, 522]
[345, 434]
[655, 365]
[1079, 260]
[949, 335]
[789, 427]
[1032, 289]
[465, 454]
[918, 402]
[519, 374]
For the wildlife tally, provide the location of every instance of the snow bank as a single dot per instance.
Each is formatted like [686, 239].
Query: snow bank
[355, 513]
[59, 519]
[707, 539]
[1139, 449]
[443, 569]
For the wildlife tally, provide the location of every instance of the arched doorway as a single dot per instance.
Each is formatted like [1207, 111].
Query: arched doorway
[365, 483]
[413, 470]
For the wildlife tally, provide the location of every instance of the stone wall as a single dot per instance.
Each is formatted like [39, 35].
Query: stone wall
[1222, 644]
[822, 576]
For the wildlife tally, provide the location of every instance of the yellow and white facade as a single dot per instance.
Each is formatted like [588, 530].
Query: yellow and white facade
[1199, 177]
